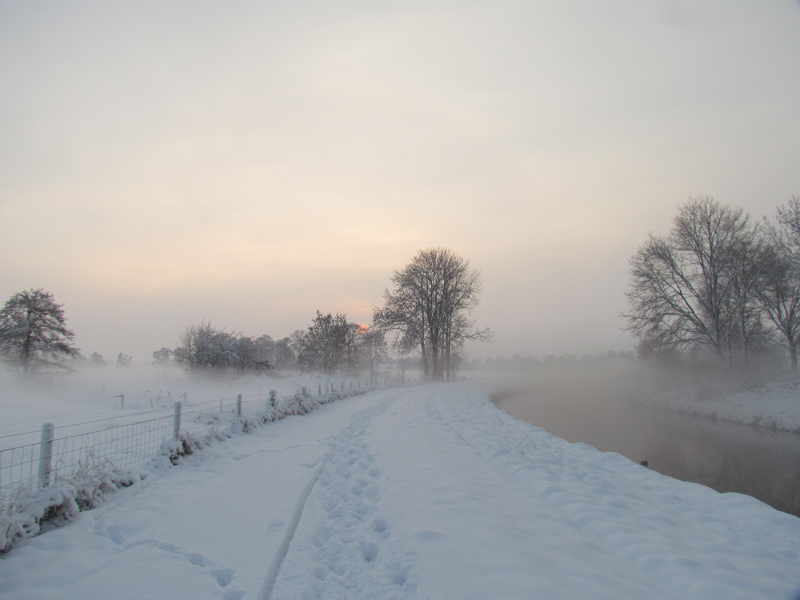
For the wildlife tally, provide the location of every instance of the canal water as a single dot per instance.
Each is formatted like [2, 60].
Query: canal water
[601, 410]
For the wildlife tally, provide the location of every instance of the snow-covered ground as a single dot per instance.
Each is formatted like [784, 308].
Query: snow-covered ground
[424, 492]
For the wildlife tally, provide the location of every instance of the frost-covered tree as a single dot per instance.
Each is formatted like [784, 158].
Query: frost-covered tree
[96, 360]
[264, 348]
[123, 360]
[205, 348]
[285, 354]
[162, 357]
[33, 332]
[329, 345]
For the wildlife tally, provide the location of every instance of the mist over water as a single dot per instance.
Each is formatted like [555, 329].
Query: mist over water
[601, 406]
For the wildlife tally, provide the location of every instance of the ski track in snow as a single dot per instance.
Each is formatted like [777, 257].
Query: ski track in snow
[280, 555]
[343, 546]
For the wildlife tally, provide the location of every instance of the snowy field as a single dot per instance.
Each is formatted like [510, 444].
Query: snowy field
[89, 399]
[424, 492]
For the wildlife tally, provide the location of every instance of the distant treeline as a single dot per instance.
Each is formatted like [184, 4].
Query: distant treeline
[330, 345]
[427, 312]
[529, 364]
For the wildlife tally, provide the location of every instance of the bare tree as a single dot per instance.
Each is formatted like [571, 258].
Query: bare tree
[779, 290]
[746, 264]
[403, 314]
[371, 349]
[33, 331]
[697, 286]
[429, 306]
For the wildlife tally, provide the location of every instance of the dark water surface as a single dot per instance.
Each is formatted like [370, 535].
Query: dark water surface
[600, 411]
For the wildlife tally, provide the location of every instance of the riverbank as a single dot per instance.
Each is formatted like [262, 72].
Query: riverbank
[774, 405]
[727, 396]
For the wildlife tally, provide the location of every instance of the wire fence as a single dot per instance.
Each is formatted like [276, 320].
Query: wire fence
[32, 466]
[129, 447]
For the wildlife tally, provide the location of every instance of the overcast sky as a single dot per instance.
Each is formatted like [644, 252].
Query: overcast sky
[249, 163]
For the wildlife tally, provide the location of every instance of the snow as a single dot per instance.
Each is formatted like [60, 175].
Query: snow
[422, 492]
[774, 404]
[93, 394]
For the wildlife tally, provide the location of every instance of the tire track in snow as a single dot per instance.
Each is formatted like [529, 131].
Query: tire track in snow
[342, 547]
[277, 561]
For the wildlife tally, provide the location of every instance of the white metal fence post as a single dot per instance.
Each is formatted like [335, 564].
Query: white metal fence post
[122, 401]
[239, 406]
[176, 426]
[46, 454]
[319, 390]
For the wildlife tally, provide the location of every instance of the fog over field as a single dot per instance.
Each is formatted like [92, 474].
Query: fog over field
[615, 404]
[249, 164]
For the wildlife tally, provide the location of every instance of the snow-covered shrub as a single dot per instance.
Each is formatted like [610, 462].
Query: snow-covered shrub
[10, 531]
[184, 445]
[92, 485]
[55, 503]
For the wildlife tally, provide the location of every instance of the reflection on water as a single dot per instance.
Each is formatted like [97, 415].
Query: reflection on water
[727, 457]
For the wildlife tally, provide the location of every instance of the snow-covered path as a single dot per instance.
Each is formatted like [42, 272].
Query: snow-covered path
[429, 492]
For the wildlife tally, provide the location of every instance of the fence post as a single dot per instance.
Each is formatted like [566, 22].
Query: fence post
[351, 384]
[122, 401]
[176, 426]
[239, 406]
[343, 386]
[45, 454]
[272, 398]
